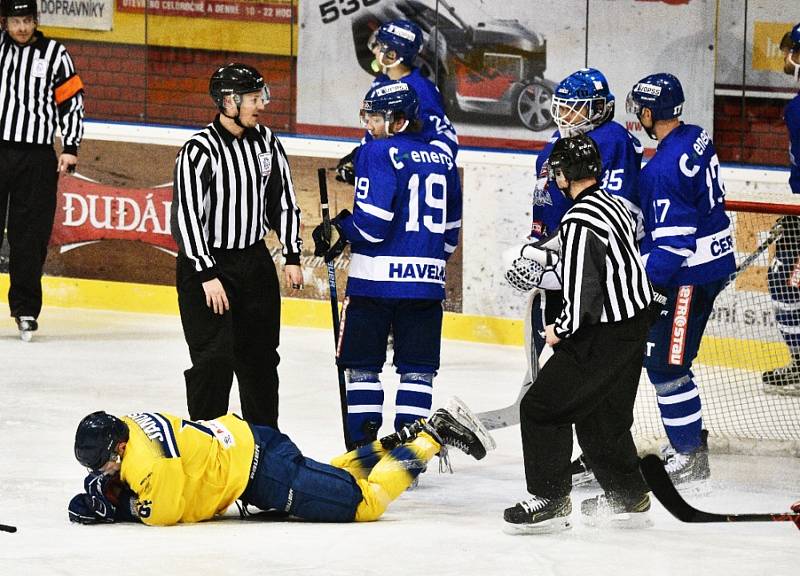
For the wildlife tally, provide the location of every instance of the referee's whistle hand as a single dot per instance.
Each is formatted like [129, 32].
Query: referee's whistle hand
[67, 163]
[216, 298]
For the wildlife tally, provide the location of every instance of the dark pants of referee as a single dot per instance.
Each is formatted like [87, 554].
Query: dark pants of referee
[244, 340]
[590, 381]
[28, 181]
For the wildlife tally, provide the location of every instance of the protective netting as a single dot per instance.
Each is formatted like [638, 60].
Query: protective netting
[748, 405]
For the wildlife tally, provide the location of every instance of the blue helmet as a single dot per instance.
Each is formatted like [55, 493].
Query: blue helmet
[97, 437]
[662, 93]
[581, 102]
[402, 36]
[391, 99]
[791, 40]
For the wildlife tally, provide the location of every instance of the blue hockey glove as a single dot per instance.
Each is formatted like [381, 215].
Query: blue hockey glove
[86, 509]
[322, 245]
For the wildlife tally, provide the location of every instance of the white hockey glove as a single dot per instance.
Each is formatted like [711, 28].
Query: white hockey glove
[535, 265]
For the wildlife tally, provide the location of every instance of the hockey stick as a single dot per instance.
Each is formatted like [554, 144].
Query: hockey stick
[326, 224]
[509, 416]
[7, 528]
[773, 236]
[656, 476]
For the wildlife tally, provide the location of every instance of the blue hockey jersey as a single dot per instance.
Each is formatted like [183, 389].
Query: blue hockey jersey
[436, 127]
[621, 154]
[687, 233]
[791, 116]
[406, 219]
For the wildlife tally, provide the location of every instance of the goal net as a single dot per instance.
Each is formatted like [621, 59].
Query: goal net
[746, 407]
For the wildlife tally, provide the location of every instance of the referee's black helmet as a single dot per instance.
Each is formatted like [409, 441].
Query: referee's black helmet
[19, 8]
[577, 158]
[235, 79]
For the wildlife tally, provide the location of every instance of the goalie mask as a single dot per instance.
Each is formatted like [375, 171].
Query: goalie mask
[389, 102]
[575, 158]
[582, 102]
[97, 437]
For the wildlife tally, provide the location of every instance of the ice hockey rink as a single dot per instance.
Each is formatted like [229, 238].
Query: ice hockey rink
[85, 360]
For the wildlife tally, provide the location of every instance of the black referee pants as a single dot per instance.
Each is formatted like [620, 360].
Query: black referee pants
[28, 181]
[244, 340]
[590, 381]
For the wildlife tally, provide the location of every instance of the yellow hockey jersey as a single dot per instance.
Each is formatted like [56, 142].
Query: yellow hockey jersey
[185, 471]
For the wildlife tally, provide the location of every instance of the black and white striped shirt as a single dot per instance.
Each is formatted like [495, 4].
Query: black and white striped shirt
[39, 90]
[229, 192]
[603, 275]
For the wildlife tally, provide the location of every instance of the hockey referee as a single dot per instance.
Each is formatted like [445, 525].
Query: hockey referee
[232, 186]
[39, 92]
[592, 377]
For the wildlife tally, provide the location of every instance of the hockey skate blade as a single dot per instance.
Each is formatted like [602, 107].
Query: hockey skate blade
[25, 335]
[624, 521]
[545, 527]
[586, 479]
[465, 416]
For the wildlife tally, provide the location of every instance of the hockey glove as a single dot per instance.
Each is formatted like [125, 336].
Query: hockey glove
[323, 245]
[86, 509]
[534, 265]
[345, 170]
[658, 305]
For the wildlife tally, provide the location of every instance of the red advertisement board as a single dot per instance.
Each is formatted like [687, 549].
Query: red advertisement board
[249, 10]
[89, 211]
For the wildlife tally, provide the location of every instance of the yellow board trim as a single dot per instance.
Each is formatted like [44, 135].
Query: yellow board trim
[152, 299]
[190, 32]
[148, 298]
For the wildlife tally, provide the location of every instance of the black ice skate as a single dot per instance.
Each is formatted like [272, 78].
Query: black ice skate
[454, 425]
[581, 472]
[785, 379]
[617, 511]
[538, 515]
[690, 471]
[27, 326]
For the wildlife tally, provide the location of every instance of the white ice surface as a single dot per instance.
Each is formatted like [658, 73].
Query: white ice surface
[82, 361]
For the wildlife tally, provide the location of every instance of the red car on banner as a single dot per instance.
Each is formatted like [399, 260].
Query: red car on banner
[495, 67]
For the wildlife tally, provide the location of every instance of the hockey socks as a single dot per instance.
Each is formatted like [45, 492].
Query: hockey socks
[414, 398]
[681, 412]
[364, 405]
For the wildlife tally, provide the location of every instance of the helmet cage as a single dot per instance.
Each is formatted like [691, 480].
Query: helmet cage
[579, 115]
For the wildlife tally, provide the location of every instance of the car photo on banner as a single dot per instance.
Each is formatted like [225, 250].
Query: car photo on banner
[491, 67]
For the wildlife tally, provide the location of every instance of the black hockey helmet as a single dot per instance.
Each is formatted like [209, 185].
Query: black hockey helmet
[19, 8]
[577, 158]
[234, 80]
[96, 438]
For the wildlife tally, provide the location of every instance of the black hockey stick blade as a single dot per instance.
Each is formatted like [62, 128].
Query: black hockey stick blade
[7, 528]
[664, 490]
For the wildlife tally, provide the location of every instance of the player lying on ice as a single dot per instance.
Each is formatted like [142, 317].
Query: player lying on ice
[160, 469]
